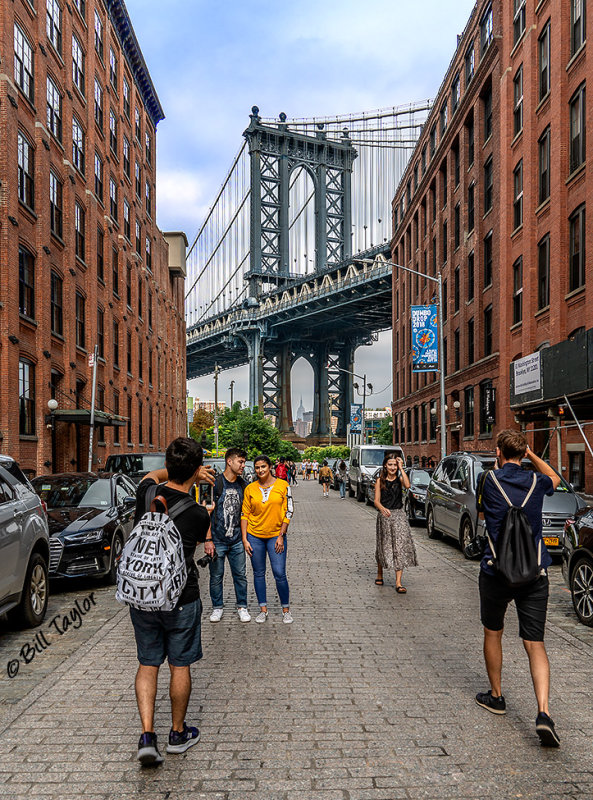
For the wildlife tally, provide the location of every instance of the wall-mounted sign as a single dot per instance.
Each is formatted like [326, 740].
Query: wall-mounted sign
[528, 376]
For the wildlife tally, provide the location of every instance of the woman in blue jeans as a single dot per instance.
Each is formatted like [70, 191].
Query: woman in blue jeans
[265, 516]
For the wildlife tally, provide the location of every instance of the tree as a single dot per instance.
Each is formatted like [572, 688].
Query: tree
[384, 434]
[202, 421]
[250, 430]
[322, 453]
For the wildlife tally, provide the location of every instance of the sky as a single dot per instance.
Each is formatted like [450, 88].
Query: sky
[211, 61]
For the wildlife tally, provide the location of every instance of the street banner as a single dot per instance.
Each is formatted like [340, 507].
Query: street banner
[425, 349]
[356, 418]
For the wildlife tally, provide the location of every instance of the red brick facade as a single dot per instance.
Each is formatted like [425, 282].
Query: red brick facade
[512, 311]
[125, 283]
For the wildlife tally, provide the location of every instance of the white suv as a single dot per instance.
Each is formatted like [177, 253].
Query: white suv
[364, 461]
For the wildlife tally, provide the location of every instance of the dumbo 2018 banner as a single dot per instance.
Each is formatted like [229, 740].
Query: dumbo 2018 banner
[425, 348]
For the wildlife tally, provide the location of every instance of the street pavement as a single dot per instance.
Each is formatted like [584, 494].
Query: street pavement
[369, 695]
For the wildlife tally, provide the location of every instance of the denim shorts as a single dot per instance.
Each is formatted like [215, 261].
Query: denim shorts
[175, 635]
[531, 602]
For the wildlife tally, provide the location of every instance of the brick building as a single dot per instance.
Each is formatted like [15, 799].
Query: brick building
[82, 262]
[494, 198]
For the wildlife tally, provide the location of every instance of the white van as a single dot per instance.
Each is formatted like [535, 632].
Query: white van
[365, 459]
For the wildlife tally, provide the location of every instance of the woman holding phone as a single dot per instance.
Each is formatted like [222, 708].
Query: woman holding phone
[265, 516]
[395, 546]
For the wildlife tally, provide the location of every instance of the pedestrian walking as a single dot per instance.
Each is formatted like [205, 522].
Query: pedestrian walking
[315, 469]
[281, 469]
[309, 469]
[292, 472]
[229, 487]
[395, 547]
[341, 473]
[325, 478]
[501, 493]
[174, 635]
[266, 514]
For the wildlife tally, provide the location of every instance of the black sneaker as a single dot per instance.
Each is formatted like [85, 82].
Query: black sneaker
[180, 742]
[148, 752]
[544, 727]
[496, 705]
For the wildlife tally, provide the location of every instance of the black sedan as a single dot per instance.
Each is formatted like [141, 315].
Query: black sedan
[415, 496]
[577, 562]
[90, 517]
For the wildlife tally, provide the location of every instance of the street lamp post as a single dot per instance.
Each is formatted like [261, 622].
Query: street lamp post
[439, 281]
[231, 388]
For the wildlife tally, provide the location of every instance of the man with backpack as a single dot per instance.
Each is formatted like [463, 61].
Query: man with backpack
[226, 534]
[173, 634]
[513, 567]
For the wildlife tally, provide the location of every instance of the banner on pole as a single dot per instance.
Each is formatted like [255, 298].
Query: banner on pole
[356, 418]
[425, 348]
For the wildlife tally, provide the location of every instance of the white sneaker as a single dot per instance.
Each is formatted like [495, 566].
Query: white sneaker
[287, 617]
[262, 616]
[216, 615]
[244, 615]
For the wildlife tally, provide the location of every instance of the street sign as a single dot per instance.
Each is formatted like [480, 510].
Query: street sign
[92, 359]
[425, 349]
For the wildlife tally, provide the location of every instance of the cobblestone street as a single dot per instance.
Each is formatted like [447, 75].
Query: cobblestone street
[369, 695]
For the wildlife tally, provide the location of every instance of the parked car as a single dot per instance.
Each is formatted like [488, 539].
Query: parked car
[24, 548]
[415, 496]
[364, 461]
[451, 502]
[90, 518]
[334, 468]
[135, 465]
[577, 562]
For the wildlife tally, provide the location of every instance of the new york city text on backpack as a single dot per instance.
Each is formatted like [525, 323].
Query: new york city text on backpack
[152, 572]
[516, 558]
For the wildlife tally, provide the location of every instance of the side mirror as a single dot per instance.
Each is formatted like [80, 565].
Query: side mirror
[354, 462]
[129, 502]
[456, 483]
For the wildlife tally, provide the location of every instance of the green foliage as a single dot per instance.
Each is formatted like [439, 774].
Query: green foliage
[385, 433]
[202, 422]
[322, 453]
[249, 429]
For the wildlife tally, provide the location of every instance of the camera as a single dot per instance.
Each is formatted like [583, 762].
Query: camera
[206, 559]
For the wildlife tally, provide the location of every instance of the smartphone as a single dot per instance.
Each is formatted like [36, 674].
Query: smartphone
[205, 494]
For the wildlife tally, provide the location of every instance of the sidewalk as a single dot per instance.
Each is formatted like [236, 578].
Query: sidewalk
[369, 695]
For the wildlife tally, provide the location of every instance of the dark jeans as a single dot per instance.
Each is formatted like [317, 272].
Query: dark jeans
[261, 547]
[235, 553]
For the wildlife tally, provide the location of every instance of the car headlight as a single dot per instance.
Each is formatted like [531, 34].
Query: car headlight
[84, 536]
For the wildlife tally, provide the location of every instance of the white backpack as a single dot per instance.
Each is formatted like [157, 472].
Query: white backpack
[151, 572]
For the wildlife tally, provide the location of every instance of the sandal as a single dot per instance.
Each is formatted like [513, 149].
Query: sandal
[379, 581]
[401, 589]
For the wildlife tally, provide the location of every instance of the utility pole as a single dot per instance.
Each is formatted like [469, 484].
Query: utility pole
[93, 363]
[216, 371]
[364, 405]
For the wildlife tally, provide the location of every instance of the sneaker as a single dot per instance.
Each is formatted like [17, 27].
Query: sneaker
[544, 727]
[244, 615]
[262, 616]
[148, 752]
[287, 617]
[216, 615]
[180, 742]
[496, 705]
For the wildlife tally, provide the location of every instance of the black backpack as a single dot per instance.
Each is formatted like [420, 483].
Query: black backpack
[516, 558]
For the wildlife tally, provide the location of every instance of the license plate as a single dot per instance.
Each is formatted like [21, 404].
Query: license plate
[551, 541]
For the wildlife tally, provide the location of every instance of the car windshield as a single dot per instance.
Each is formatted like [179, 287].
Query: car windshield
[74, 492]
[420, 478]
[218, 464]
[481, 466]
[374, 458]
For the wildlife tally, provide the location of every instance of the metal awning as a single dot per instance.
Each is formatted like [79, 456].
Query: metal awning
[82, 416]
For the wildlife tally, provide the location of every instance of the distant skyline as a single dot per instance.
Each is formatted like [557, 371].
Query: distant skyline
[210, 63]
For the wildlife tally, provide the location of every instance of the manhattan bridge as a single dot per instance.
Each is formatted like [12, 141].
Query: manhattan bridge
[292, 260]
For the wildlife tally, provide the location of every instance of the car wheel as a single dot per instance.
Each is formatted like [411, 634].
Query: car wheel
[116, 547]
[350, 490]
[430, 529]
[581, 588]
[33, 605]
[466, 538]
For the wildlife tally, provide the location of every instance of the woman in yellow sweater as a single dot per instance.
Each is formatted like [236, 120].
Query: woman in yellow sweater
[266, 513]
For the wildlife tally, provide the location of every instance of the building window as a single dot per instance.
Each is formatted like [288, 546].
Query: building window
[113, 199]
[23, 63]
[487, 101]
[148, 199]
[148, 254]
[138, 237]
[129, 286]
[488, 185]
[468, 411]
[77, 65]
[470, 207]
[577, 249]
[80, 321]
[140, 298]
[416, 424]
[115, 343]
[100, 403]
[140, 362]
[518, 101]
[518, 290]
[127, 224]
[445, 357]
[577, 128]
[470, 342]
[434, 255]
[456, 289]
[81, 6]
[126, 156]
[470, 64]
[148, 150]
[433, 421]
[100, 255]
[129, 420]
[518, 195]
[470, 276]
[488, 259]
[577, 25]
[53, 23]
[55, 204]
[456, 166]
[138, 179]
[544, 165]
[98, 36]
[576, 470]
[100, 332]
[56, 307]
[470, 140]
[518, 20]
[445, 241]
[98, 104]
[98, 177]
[455, 93]
[116, 411]
[140, 432]
[112, 68]
[79, 230]
[456, 355]
[137, 128]
[457, 225]
[445, 302]
[150, 367]
[26, 283]
[543, 272]
[423, 160]
[112, 131]
[126, 97]
[433, 140]
[129, 353]
[150, 429]
[115, 270]
[485, 389]
[54, 109]
[486, 30]
[443, 118]
[26, 171]
[26, 397]
[544, 61]
[150, 311]
[77, 145]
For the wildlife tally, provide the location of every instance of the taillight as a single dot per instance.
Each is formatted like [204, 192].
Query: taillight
[44, 507]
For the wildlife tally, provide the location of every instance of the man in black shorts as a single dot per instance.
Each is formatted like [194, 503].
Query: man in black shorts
[531, 600]
[176, 634]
